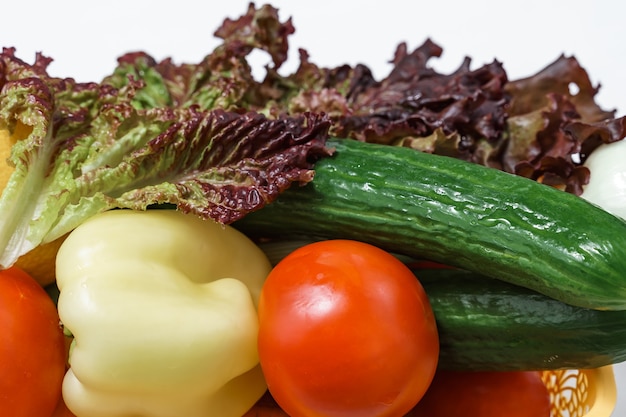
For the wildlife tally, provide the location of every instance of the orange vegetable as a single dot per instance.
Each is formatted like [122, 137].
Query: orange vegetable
[345, 329]
[32, 347]
[485, 394]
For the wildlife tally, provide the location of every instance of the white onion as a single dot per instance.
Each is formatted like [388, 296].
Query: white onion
[607, 184]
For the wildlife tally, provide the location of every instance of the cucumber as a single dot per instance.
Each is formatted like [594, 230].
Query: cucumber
[462, 214]
[489, 324]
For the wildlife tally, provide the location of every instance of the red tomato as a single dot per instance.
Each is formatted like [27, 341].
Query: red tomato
[485, 394]
[346, 330]
[32, 347]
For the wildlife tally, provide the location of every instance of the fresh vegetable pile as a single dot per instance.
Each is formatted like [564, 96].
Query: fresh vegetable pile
[226, 238]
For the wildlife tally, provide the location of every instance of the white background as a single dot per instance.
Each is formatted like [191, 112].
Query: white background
[85, 38]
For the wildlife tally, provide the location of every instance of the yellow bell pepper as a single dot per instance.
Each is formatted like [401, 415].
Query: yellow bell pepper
[162, 307]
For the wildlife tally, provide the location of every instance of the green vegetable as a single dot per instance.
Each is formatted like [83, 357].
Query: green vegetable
[162, 307]
[462, 214]
[94, 147]
[488, 324]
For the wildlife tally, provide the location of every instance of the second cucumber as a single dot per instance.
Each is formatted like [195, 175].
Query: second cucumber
[490, 325]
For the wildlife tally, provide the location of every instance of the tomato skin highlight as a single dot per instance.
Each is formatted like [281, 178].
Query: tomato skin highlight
[32, 347]
[346, 330]
[485, 394]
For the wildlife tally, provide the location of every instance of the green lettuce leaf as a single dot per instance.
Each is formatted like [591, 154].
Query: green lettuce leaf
[100, 146]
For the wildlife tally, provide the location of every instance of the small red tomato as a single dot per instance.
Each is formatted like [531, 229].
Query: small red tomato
[32, 347]
[485, 394]
[346, 330]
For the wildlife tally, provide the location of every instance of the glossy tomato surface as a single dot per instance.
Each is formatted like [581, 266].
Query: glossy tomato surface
[485, 394]
[346, 330]
[32, 347]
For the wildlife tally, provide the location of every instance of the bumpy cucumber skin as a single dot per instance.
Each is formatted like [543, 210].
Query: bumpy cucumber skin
[488, 324]
[462, 214]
